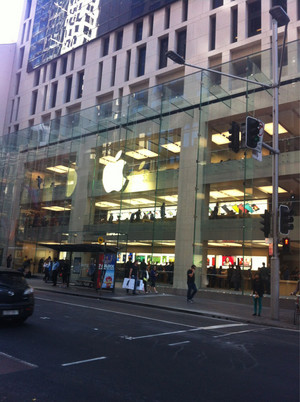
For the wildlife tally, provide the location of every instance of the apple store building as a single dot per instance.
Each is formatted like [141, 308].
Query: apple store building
[151, 175]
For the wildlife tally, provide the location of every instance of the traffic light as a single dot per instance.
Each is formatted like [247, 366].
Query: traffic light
[286, 245]
[254, 132]
[266, 223]
[234, 138]
[285, 219]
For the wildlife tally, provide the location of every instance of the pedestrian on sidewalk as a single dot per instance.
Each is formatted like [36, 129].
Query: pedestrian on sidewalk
[133, 274]
[55, 268]
[192, 290]
[153, 278]
[258, 292]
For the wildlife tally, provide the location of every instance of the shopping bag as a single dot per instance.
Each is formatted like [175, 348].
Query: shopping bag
[140, 286]
[128, 283]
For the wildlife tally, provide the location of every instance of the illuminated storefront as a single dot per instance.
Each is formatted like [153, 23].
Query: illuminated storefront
[151, 173]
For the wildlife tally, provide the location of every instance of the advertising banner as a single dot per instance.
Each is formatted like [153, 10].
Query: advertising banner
[108, 276]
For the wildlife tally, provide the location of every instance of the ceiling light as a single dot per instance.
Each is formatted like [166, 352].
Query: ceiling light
[173, 147]
[59, 169]
[269, 189]
[139, 201]
[220, 139]
[270, 129]
[134, 155]
[105, 160]
[57, 208]
[170, 198]
[105, 204]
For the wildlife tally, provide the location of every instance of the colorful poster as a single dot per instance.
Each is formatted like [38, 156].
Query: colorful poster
[108, 275]
[227, 260]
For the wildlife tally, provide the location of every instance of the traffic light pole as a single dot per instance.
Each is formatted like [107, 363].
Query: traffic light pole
[275, 159]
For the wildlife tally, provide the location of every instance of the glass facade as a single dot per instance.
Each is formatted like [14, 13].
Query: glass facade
[152, 174]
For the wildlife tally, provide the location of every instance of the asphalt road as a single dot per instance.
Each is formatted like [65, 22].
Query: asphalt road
[78, 349]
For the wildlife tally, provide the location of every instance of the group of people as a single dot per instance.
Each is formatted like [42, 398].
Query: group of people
[145, 272]
[52, 269]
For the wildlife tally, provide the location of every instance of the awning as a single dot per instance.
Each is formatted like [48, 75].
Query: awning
[81, 248]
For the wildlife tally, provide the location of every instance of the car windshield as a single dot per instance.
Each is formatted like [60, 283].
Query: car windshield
[11, 279]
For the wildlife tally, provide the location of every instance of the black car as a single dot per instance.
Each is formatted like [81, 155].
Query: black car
[16, 296]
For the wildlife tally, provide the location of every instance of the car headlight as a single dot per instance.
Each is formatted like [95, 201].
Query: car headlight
[28, 291]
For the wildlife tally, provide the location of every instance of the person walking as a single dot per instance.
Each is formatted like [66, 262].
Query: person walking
[46, 269]
[133, 274]
[145, 275]
[153, 278]
[55, 268]
[192, 290]
[258, 292]
[8, 261]
[127, 268]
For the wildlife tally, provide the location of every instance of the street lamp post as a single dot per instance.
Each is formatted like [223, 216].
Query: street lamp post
[278, 16]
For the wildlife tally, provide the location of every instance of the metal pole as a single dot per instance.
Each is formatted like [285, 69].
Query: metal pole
[275, 158]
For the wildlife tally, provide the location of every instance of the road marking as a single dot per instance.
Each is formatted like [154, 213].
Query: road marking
[178, 343]
[116, 312]
[18, 360]
[133, 338]
[240, 332]
[83, 361]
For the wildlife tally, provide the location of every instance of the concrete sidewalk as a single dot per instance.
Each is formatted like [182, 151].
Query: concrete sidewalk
[211, 303]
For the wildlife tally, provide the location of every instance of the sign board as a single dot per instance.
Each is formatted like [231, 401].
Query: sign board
[256, 153]
[100, 239]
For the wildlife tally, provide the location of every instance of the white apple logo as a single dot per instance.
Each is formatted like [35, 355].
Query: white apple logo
[113, 179]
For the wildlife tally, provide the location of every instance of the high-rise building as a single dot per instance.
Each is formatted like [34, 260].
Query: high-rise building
[106, 140]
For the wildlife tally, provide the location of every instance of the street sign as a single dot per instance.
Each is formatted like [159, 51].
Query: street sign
[100, 239]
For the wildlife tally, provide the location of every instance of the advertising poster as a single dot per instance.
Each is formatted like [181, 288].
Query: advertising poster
[108, 275]
[77, 265]
[227, 260]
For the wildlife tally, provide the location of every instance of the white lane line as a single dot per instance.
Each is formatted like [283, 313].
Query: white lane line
[115, 312]
[178, 343]
[83, 361]
[240, 332]
[18, 360]
[133, 338]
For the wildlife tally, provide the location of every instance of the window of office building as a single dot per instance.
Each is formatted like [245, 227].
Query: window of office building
[151, 20]
[21, 57]
[212, 32]
[185, 5]
[45, 73]
[139, 31]
[37, 74]
[127, 69]
[28, 9]
[216, 3]
[45, 98]
[12, 110]
[28, 30]
[84, 51]
[181, 43]
[18, 108]
[68, 88]
[163, 47]
[72, 61]
[119, 40]
[100, 72]
[64, 64]
[254, 18]
[234, 25]
[53, 94]
[53, 70]
[141, 61]
[23, 33]
[80, 83]
[113, 71]
[105, 46]
[167, 17]
[18, 80]
[34, 96]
